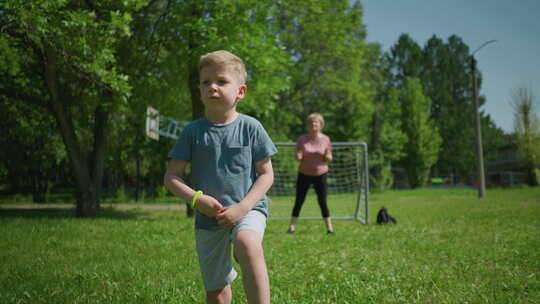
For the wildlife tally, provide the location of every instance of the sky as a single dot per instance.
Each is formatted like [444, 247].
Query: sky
[512, 62]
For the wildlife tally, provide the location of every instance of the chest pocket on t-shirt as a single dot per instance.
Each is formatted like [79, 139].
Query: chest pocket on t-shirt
[236, 160]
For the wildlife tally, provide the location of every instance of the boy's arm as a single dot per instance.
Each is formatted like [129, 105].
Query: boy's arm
[173, 180]
[265, 179]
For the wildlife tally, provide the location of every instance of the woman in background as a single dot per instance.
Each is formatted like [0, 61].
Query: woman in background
[314, 152]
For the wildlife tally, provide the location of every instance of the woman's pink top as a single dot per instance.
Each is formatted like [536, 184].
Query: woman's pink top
[313, 149]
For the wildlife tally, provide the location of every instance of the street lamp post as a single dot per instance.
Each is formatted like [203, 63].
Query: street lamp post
[478, 128]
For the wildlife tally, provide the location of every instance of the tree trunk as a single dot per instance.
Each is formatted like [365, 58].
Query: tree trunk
[101, 132]
[87, 202]
[88, 171]
[40, 185]
[193, 77]
[137, 176]
[196, 103]
[375, 130]
[531, 176]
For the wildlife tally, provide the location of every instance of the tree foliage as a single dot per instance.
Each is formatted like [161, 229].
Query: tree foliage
[527, 129]
[387, 138]
[326, 41]
[443, 68]
[448, 83]
[406, 60]
[423, 139]
[31, 153]
[65, 62]
[77, 76]
[95, 67]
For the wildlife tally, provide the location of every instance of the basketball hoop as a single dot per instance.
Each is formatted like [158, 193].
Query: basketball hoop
[152, 123]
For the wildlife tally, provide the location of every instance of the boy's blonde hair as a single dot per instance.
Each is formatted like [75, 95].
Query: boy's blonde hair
[226, 58]
[316, 116]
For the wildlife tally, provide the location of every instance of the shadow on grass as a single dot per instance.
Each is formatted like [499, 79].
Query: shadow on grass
[67, 213]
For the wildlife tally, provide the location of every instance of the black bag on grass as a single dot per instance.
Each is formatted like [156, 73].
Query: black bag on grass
[383, 217]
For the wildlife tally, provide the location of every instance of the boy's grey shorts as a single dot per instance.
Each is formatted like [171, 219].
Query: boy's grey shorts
[214, 250]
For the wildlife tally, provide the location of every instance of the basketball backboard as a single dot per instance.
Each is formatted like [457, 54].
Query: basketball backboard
[152, 123]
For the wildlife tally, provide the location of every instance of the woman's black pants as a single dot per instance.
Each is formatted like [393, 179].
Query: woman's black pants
[302, 186]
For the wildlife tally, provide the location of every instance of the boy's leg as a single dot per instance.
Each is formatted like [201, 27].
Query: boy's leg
[250, 255]
[215, 260]
[220, 296]
[248, 250]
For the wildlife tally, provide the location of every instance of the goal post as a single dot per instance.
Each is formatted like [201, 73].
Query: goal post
[347, 180]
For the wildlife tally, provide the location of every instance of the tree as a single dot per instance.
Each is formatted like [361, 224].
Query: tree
[96, 66]
[63, 61]
[447, 82]
[326, 41]
[387, 138]
[527, 129]
[245, 28]
[444, 71]
[493, 137]
[406, 60]
[423, 139]
[31, 149]
[389, 147]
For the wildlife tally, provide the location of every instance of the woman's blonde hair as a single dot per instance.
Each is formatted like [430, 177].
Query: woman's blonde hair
[314, 116]
[226, 58]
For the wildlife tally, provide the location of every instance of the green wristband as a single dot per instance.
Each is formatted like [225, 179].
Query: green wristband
[195, 198]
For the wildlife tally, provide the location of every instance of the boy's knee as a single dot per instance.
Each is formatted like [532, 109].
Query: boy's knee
[248, 245]
[218, 296]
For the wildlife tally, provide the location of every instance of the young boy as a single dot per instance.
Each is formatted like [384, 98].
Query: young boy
[231, 171]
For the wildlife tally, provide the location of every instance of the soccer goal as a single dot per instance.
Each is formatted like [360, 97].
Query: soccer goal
[348, 183]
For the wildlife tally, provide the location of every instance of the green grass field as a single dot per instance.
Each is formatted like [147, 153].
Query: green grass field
[448, 247]
[340, 205]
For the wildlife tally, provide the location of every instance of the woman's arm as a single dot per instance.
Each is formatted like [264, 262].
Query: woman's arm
[299, 152]
[328, 155]
[299, 155]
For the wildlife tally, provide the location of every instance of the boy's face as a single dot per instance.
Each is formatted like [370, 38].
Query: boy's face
[220, 88]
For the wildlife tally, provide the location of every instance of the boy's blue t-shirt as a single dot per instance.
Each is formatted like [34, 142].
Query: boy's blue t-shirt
[223, 160]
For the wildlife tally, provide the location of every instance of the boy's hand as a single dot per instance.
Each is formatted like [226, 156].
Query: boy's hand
[229, 216]
[208, 205]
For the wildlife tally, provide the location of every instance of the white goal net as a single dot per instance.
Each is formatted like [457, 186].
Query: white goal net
[347, 179]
